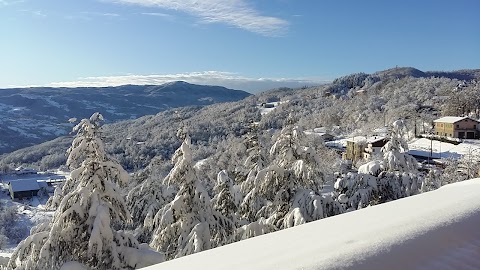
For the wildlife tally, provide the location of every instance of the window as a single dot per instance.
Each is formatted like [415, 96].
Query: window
[474, 126]
[458, 126]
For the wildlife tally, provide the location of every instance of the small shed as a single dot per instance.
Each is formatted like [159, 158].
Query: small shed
[25, 188]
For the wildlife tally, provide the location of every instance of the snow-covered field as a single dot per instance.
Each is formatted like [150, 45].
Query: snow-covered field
[422, 146]
[434, 230]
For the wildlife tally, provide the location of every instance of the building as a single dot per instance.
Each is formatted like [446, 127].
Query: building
[24, 171]
[320, 132]
[457, 127]
[364, 148]
[25, 188]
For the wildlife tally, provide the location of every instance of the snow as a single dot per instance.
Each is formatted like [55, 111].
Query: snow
[73, 266]
[421, 147]
[449, 119]
[435, 230]
[4, 258]
[270, 106]
[24, 185]
[359, 139]
[372, 167]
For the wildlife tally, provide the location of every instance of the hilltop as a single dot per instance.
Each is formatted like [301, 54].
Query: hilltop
[34, 115]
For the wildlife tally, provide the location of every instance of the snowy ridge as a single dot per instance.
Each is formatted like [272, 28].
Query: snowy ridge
[26, 110]
[435, 230]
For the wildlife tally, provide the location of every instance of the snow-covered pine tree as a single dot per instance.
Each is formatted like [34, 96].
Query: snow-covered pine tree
[146, 199]
[256, 156]
[291, 184]
[81, 230]
[188, 224]
[356, 190]
[256, 161]
[297, 180]
[400, 177]
[227, 198]
[86, 145]
[395, 151]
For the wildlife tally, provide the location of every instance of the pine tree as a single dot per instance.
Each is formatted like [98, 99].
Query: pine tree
[226, 199]
[82, 228]
[146, 199]
[86, 145]
[255, 162]
[395, 151]
[290, 185]
[188, 224]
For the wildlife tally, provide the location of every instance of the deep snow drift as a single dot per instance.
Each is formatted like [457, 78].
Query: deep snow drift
[434, 230]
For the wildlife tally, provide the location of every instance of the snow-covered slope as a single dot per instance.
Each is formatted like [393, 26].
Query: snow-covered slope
[34, 115]
[435, 230]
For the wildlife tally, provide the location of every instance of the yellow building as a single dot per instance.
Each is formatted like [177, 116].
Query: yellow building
[457, 127]
[363, 148]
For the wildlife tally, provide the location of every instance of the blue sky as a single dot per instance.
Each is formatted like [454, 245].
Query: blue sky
[243, 44]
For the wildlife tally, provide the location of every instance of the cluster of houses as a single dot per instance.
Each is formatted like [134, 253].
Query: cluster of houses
[357, 148]
[360, 147]
[22, 183]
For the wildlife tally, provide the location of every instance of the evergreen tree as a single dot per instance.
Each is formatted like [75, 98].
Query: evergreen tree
[86, 145]
[188, 224]
[395, 151]
[290, 185]
[82, 228]
[226, 199]
[146, 199]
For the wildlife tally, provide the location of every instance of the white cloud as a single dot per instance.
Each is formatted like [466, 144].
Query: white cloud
[106, 14]
[35, 13]
[227, 79]
[39, 13]
[232, 12]
[10, 2]
[157, 14]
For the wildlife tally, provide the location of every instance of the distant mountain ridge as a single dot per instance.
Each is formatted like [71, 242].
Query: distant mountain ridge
[34, 115]
[135, 142]
[401, 72]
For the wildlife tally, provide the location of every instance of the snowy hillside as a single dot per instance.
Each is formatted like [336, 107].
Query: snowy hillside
[35, 115]
[435, 230]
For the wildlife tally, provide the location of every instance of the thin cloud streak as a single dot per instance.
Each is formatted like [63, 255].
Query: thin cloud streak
[10, 2]
[226, 79]
[232, 12]
[157, 14]
[106, 14]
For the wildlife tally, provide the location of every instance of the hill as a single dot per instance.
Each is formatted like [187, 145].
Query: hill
[356, 103]
[34, 115]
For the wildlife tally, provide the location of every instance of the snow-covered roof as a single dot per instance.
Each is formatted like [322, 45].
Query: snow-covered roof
[402, 234]
[21, 169]
[451, 119]
[372, 139]
[24, 185]
[375, 139]
[357, 139]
